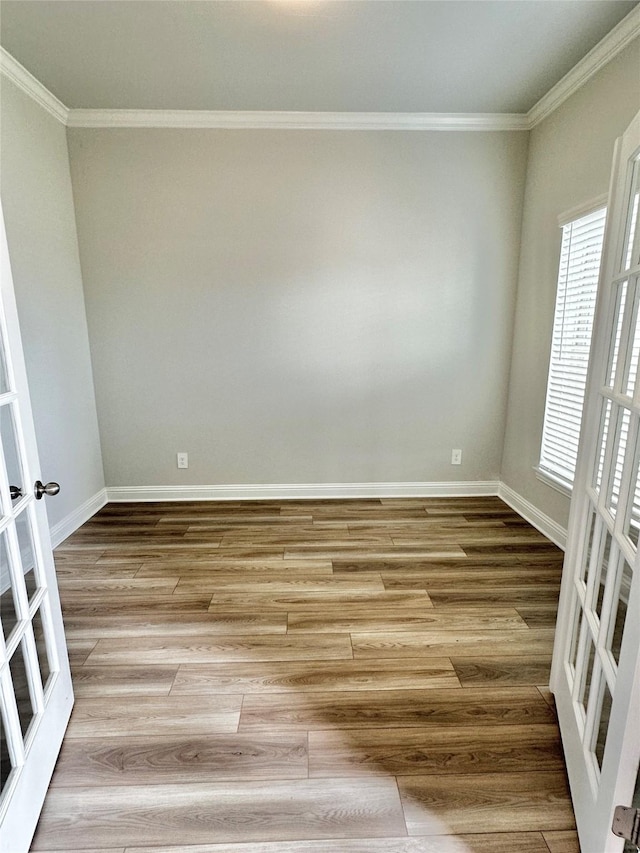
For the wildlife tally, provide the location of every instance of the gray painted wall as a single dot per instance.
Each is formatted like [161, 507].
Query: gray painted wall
[570, 157]
[41, 233]
[299, 307]
[296, 306]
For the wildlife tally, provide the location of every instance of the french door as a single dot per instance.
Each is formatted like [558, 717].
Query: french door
[35, 682]
[596, 665]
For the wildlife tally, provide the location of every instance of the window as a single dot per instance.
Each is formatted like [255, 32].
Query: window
[573, 321]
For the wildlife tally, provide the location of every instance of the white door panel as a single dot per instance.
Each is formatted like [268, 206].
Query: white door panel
[596, 665]
[35, 681]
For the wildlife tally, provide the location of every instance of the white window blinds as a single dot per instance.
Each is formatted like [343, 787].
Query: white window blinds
[573, 322]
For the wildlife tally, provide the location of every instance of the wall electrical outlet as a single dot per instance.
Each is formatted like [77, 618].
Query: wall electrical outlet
[183, 460]
[456, 457]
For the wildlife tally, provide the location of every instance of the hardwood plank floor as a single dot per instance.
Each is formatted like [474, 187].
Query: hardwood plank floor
[399, 619]
[512, 669]
[285, 676]
[195, 813]
[338, 602]
[98, 681]
[489, 802]
[445, 642]
[331, 676]
[203, 648]
[154, 715]
[178, 624]
[152, 760]
[517, 842]
[562, 841]
[373, 709]
[434, 751]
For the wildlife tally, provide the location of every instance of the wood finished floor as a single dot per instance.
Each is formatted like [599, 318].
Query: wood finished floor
[331, 676]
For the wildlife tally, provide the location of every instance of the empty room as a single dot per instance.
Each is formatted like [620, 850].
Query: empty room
[320, 426]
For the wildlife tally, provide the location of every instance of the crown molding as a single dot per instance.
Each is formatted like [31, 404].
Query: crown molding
[612, 44]
[252, 120]
[24, 80]
[273, 120]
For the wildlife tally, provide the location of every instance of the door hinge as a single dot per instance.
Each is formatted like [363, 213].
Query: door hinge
[626, 824]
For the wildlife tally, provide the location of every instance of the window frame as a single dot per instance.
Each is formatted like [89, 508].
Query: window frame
[543, 471]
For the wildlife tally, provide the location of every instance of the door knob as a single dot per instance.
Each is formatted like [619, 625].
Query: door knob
[40, 489]
[15, 492]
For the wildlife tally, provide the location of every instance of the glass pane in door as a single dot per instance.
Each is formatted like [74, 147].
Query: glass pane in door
[9, 607]
[576, 623]
[4, 382]
[598, 574]
[21, 688]
[592, 525]
[631, 238]
[5, 759]
[616, 332]
[11, 452]
[44, 654]
[587, 670]
[618, 620]
[602, 724]
[632, 520]
[27, 553]
[603, 435]
[620, 446]
[633, 354]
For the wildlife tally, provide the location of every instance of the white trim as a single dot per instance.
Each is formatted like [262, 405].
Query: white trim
[25, 81]
[583, 209]
[274, 120]
[309, 491]
[75, 519]
[300, 491]
[610, 46]
[597, 58]
[554, 482]
[546, 525]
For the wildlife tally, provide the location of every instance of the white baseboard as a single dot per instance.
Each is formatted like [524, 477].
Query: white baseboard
[75, 519]
[301, 491]
[546, 525]
[309, 491]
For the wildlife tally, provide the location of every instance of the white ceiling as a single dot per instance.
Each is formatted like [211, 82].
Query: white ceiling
[493, 56]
